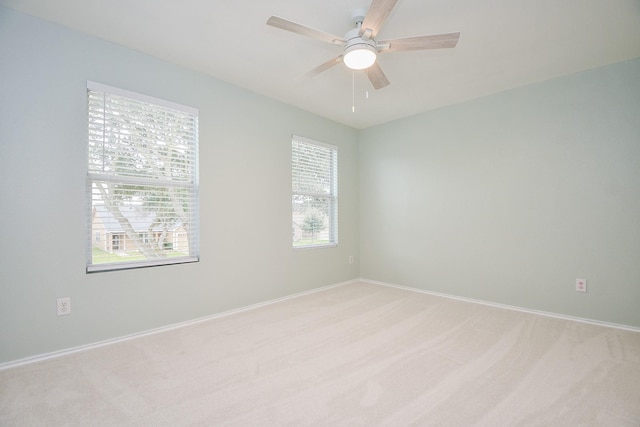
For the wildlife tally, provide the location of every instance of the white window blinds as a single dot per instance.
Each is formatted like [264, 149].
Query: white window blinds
[314, 168]
[142, 180]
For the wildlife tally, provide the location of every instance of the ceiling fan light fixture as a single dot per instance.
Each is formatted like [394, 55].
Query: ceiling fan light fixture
[359, 56]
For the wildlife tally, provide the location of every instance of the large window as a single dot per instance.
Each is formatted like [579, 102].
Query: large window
[142, 181]
[314, 200]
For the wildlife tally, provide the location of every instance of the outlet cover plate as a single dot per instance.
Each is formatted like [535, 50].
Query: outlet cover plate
[581, 285]
[64, 306]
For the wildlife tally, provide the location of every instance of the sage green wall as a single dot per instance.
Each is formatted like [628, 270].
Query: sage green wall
[245, 188]
[511, 197]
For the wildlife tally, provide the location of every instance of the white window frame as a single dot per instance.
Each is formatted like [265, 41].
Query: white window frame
[330, 193]
[190, 185]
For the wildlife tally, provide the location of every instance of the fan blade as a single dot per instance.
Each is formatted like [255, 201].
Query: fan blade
[376, 76]
[378, 12]
[286, 25]
[435, 41]
[325, 66]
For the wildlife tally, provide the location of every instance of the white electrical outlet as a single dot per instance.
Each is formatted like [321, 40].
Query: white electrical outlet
[64, 306]
[350, 259]
[581, 285]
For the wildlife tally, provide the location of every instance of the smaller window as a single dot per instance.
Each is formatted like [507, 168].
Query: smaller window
[314, 201]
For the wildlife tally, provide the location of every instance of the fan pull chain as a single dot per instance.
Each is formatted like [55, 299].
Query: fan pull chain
[353, 91]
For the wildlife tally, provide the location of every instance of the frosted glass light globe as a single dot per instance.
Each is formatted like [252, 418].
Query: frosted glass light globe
[359, 57]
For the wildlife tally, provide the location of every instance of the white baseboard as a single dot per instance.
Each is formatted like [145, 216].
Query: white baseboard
[507, 307]
[64, 352]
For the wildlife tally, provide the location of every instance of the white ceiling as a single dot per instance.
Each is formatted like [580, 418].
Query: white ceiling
[503, 44]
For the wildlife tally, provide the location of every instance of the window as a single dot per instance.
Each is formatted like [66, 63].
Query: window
[115, 242]
[314, 170]
[142, 180]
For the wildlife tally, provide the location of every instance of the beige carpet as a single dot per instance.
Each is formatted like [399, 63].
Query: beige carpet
[355, 355]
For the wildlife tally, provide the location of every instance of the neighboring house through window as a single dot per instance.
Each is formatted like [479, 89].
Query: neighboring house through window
[142, 180]
[314, 167]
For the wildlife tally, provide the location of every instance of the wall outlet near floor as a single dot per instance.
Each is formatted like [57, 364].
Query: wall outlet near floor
[350, 259]
[581, 285]
[64, 306]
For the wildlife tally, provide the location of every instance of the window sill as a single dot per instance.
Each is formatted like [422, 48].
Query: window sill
[324, 245]
[99, 268]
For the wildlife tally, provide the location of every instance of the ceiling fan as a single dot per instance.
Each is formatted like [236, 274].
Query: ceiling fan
[360, 44]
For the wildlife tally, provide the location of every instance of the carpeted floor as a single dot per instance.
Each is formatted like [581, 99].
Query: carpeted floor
[354, 355]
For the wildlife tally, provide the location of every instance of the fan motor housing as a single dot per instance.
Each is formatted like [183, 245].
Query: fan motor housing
[353, 38]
